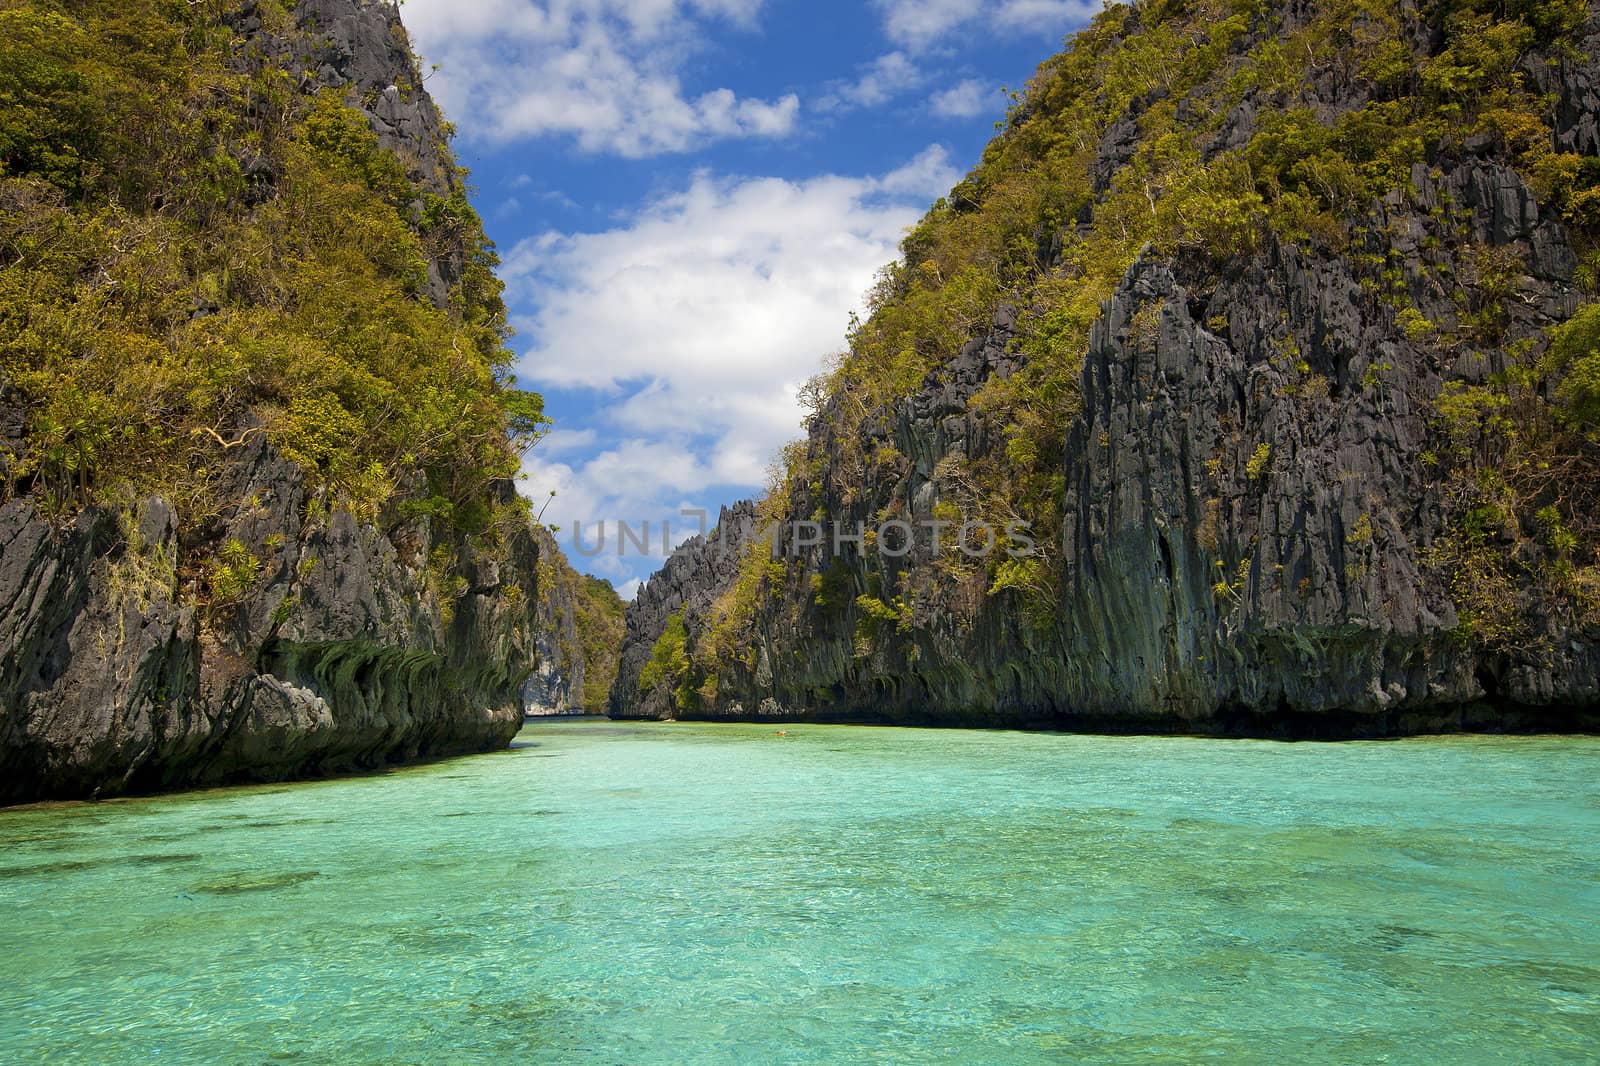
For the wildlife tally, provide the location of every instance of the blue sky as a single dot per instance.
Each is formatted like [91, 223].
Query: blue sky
[690, 197]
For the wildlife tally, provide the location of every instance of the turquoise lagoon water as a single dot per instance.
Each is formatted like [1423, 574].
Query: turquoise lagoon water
[692, 893]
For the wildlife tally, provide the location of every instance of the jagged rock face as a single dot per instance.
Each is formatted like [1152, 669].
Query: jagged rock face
[1247, 537]
[555, 686]
[361, 49]
[688, 584]
[1338, 613]
[342, 657]
[345, 651]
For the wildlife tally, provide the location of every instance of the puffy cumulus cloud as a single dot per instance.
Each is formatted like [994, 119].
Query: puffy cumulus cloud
[964, 100]
[715, 285]
[925, 177]
[565, 441]
[1045, 16]
[919, 24]
[630, 482]
[694, 325]
[604, 72]
[916, 24]
[881, 81]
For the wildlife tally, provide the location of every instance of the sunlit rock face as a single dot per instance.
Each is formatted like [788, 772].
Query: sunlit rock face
[1252, 484]
[346, 651]
[344, 655]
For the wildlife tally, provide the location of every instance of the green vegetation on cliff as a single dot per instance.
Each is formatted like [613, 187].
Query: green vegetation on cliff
[594, 639]
[1127, 144]
[599, 612]
[257, 426]
[194, 251]
[1277, 325]
[669, 661]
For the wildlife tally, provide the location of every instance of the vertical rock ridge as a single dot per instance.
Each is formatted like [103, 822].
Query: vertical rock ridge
[1252, 492]
[351, 647]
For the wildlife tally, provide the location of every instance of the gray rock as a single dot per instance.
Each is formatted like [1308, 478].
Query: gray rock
[556, 685]
[362, 48]
[688, 584]
[346, 653]
[1247, 536]
[341, 658]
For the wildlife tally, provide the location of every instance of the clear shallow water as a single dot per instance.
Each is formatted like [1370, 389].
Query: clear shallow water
[694, 893]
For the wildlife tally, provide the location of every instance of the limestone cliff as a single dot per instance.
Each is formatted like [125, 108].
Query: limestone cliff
[1287, 464]
[687, 587]
[359, 49]
[299, 611]
[579, 642]
[344, 656]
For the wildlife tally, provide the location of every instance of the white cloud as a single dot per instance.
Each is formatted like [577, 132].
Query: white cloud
[1045, 16]
[881, 81]
[927, 176]
[919, 24]
[604, 72]
[564, 441]
[714, 285]
[696, 322]
[630, 483]
[525, 183]
[964, 100]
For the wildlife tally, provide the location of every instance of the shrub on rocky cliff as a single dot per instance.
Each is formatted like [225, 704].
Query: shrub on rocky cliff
[1252, 311]
[256, 422]
[1129, 142]
[193, 252]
